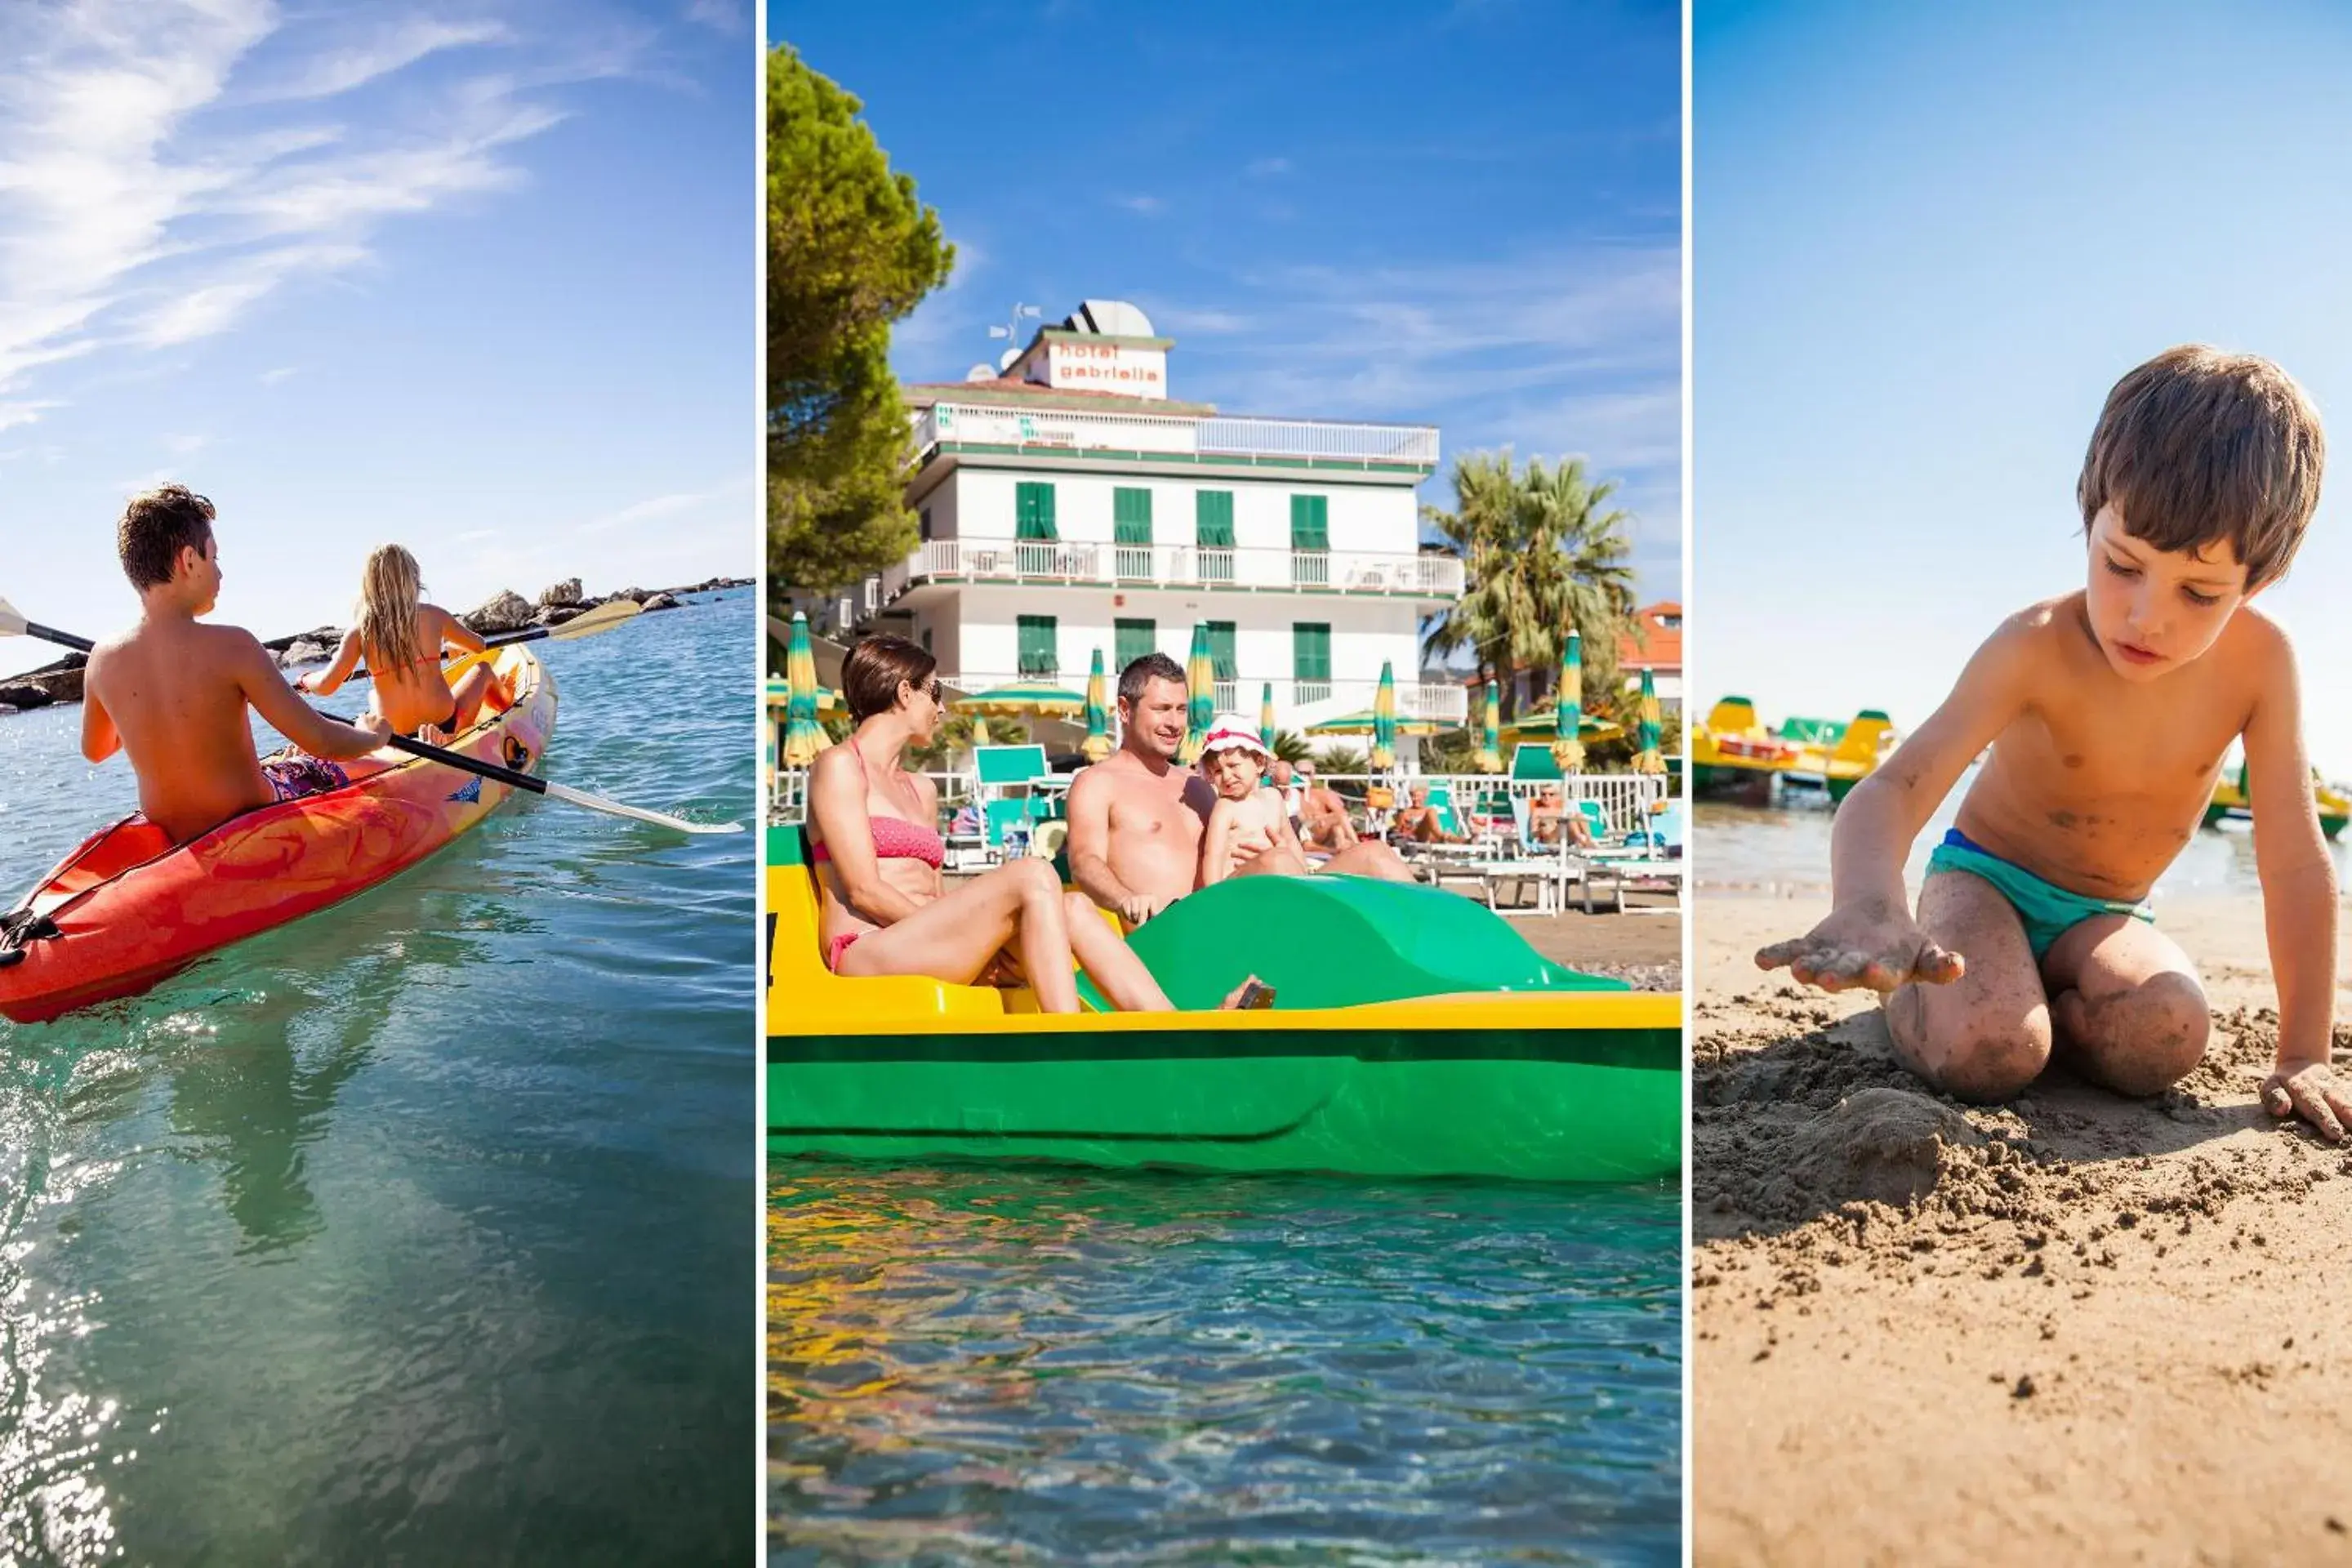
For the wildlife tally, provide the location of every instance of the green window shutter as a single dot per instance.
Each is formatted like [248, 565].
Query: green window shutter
[1310, 523]
[1040, 650]
[1310, 651]
[1213, 515]
[1132, 640]
[1130, 516]
[1033, 509]
[1220, 651]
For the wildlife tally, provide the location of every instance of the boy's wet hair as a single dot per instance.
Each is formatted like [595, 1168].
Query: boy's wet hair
[871, 672]
[2197, 446]
[153, 530]
[1141, 672]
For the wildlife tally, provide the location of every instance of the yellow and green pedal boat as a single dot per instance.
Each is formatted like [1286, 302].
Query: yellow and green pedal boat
[1415, 1034]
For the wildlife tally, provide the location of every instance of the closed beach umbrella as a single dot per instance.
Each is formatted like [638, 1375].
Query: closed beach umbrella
[1568, 745]
[1364, 722]
[803, 736]
[1266, 719]
[1097, 742]
[1384, 724]
[1489, 759]
[1200, 686]
[1647, 729]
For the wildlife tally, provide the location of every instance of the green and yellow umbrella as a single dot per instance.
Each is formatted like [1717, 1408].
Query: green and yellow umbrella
[803, 736]
[1364, 722]
[1024, 698]
[1266, 719]
[1097, 742]
[1567, 731]
[1647, 730]
[1384, 722]
[1201, 686]
[1489, 759]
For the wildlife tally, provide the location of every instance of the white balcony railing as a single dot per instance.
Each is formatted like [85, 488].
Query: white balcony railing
[1243, 439]
[1296, 703]
[1391, 573]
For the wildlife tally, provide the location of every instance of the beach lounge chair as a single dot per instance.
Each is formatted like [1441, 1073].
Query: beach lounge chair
[1006, 775]
[1532, 762]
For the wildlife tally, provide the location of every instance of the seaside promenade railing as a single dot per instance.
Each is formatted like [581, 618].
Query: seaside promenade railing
[1625, 799]
[1101, 564]
[1296, 703]
[1240, 437]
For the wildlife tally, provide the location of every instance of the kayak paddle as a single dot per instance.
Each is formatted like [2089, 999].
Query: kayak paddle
[587, 623]
[537, 786]
[13, 625]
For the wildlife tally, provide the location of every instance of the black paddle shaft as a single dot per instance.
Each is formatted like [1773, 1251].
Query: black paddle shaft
[63, 639]
[497, 771]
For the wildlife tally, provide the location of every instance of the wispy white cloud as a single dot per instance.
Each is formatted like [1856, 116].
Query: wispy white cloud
[166, 165]
[401, 43]
[1146, 205]
[1263, 168]
[272, 377]
[729, 17]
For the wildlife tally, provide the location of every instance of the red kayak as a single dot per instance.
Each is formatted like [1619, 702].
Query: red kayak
[128, 911]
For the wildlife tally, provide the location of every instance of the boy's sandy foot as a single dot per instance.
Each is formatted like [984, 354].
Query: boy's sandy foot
[2317, 1093]
[1233, 997]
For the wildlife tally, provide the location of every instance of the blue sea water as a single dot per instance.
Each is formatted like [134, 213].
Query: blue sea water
[1031, 1365]
[422, 1229]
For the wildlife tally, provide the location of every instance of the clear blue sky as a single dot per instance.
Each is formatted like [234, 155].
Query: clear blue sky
[479, 279]
[1927, 240]
[1466, 214]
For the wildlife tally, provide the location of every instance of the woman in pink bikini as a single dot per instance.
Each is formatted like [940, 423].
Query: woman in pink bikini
[885, 909]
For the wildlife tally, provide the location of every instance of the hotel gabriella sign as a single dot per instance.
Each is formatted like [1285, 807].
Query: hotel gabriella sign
[1106, 367]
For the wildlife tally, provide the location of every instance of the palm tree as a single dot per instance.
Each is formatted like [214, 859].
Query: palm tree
[1290, 746]
[1540, 551]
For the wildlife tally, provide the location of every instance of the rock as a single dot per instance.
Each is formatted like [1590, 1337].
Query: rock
[23, 694]
[660, 601]
[556, 615]
[59, 685]
[302, 651]
[564, 593]
[637, 593]
[326, 636]
[505, 612]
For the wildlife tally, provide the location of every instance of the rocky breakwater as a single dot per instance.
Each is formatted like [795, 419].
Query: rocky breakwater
[503, 612]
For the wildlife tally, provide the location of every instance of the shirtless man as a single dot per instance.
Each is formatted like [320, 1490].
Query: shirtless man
[1135, 817]
[1325, 828]
[173, 693]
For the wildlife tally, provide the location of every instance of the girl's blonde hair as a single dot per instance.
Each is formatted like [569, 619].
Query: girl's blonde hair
[390, 590]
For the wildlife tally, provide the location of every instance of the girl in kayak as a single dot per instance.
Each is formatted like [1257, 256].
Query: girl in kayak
[885, 909]
[402, 639]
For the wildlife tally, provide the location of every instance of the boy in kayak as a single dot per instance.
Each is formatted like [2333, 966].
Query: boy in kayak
[173, 693]
[2108, 712]
[401, 637]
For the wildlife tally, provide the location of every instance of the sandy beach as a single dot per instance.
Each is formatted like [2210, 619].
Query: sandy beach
[2071, 1329]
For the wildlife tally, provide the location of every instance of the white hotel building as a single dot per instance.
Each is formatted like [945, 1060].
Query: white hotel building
[1069, 504]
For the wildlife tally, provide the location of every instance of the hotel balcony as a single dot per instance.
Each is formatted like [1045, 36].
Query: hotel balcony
[945, 430]
[1296, 703]
[956, 562]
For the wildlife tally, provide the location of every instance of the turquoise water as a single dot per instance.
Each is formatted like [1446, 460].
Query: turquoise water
[1067, 1366]
[420, 1229]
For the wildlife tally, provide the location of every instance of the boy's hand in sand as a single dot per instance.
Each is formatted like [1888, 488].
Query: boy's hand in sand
[2315, 1092]
[1864, 947]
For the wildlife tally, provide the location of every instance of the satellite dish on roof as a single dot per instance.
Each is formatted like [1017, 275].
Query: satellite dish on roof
[1004, 360]
[980, 373]
[1111, 318]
